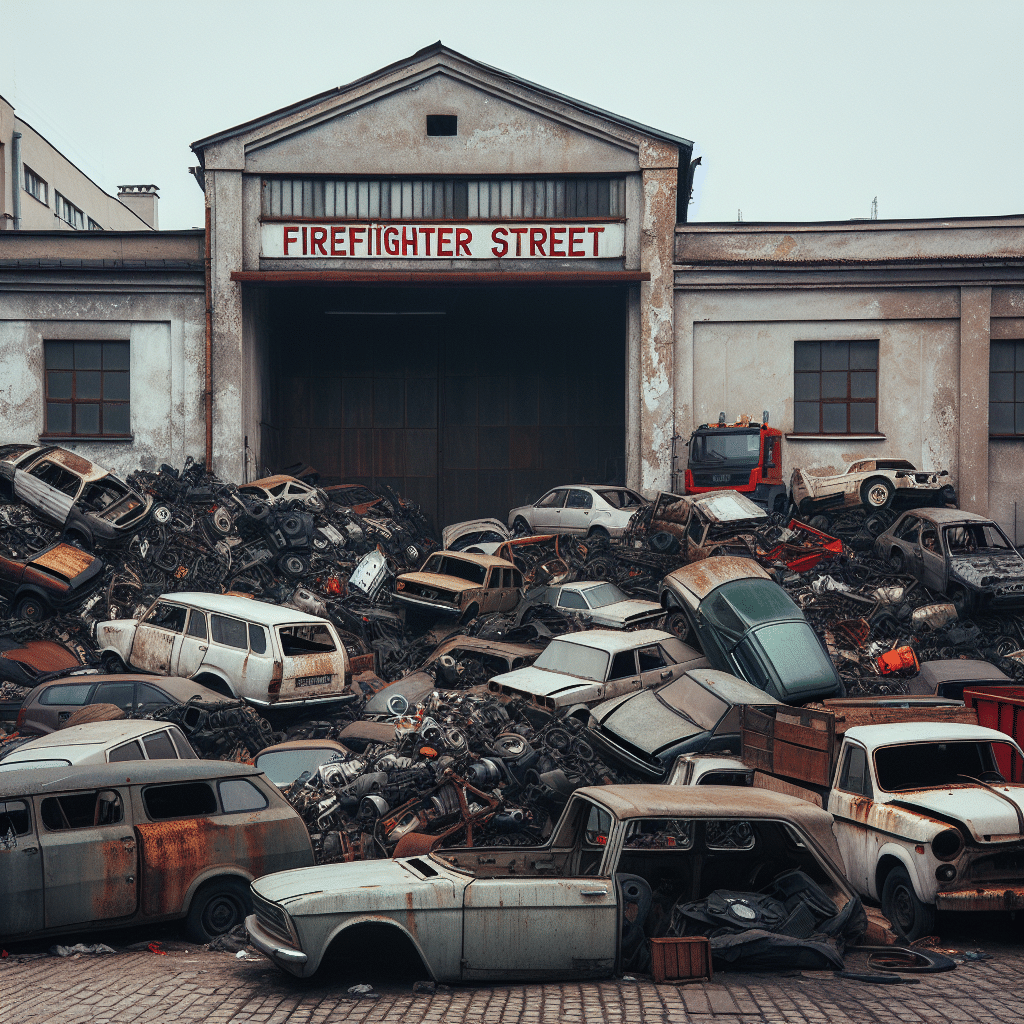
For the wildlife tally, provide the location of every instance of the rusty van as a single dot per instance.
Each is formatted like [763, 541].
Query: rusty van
[118, 845]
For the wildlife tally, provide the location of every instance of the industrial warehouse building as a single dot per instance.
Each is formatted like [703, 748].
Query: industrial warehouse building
[453, 281]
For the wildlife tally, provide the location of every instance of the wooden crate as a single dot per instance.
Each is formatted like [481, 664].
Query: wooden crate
[674, 959]
[797, 743]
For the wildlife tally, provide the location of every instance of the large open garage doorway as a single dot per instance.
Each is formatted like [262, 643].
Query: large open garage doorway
[468, 400]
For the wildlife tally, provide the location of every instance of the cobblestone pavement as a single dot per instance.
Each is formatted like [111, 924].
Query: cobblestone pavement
[198, 985]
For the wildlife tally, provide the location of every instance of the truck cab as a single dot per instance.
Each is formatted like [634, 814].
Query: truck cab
[741, 456]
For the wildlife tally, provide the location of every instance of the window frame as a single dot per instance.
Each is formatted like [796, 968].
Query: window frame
[1015, 375]
[66, 211]
[848, 400]
[74, 401]
[41, 185]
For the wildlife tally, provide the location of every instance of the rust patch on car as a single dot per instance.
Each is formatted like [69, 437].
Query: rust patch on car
[69, 460]
[65, 559]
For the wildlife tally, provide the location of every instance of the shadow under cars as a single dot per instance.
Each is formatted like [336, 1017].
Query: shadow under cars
[747, 625]
[49, 705]
[697, 713]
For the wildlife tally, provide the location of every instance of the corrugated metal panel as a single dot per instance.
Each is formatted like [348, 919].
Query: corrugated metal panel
[444, 198]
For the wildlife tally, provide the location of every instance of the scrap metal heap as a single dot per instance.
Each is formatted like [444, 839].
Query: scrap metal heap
[460, 767]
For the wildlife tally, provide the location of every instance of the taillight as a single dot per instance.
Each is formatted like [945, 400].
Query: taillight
[22, 715]
[689, 481]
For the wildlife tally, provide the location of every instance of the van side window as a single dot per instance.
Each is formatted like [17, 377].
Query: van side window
[179, 800]
[241, 795]
[257, 639]
[14, 821]
[231, 632]
[167, 616]
[82, 810]
[296, 640]
[197, 625]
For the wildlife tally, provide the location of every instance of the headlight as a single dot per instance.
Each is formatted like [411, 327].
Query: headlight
[948, 844]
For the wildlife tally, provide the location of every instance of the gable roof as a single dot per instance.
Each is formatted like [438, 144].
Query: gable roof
[450, 57]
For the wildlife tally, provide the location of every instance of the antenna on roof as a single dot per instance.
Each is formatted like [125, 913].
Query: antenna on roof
[874, 208]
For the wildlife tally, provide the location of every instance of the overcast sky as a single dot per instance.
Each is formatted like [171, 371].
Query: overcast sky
[799, 110]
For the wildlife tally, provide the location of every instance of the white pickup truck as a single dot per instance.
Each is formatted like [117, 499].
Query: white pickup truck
[922, 812]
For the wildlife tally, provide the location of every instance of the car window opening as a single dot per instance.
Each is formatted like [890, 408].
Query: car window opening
[297, 640]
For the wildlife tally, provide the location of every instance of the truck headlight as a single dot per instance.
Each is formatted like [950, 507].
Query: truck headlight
[947, 845]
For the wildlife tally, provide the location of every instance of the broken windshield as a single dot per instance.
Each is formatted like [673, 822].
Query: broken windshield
[931, 765]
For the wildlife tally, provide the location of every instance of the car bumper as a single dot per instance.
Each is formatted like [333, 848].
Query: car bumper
[286, 957]
[425, 603]
[988, 898]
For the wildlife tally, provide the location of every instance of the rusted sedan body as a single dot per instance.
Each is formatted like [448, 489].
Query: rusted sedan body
[561, 910]
[108, 846]
[58, 577]
[461, 585]
[90, 504]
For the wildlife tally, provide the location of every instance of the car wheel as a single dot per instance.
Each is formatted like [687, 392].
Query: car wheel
[877, 523]
[599, 533]
[469, 614]
[520, 527]
[822, 523]
[161, 514]
[964, 602]
[678, 625]
[30, 608]
[897, 561]
[901, 905]
[876, 493]
[113, 663]
[216, 908]
[295, 566]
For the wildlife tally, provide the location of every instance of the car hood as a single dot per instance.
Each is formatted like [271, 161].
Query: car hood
[433, 579]
[360, 886]
[645, 723]
[450, 534]
[616, 614]
[543, 683]
[988, 570]
[981, 810]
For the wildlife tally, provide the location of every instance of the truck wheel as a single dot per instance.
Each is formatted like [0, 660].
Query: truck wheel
[910, 917]
[876, 493]
[216, 908]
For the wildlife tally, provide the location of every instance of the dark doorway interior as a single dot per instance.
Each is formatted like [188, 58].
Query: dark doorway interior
[469, 401]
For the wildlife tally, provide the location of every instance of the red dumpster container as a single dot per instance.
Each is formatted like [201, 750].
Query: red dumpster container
[1002, 708]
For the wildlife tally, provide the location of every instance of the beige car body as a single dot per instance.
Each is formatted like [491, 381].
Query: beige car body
[445, 593]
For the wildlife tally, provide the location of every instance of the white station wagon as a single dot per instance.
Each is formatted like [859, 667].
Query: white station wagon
[242, 648]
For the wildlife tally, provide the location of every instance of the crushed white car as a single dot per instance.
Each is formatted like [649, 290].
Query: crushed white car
[873, 483]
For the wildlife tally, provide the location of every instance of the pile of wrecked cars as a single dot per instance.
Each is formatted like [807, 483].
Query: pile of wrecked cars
[510, 736]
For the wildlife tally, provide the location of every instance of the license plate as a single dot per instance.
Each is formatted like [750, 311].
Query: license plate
[721, 479]
[312, 681]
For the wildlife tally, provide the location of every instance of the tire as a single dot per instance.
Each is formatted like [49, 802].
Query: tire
[876, 493]
[520, 527]
[964, 603]
[113, 663]
[909, 916]
[822, 523]
[216, 908]
[469, 614]
[161, 514]
[599, 533]
[678, 625]
[294, 566]
[31, 608]
[601, 568]
[897, 561]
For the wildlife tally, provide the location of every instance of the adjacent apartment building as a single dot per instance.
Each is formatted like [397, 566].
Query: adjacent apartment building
[42, 190]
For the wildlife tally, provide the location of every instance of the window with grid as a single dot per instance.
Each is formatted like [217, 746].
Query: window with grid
[1006, 388]
[835, 387]
[68, 212]
[87, 388]
[36, 187]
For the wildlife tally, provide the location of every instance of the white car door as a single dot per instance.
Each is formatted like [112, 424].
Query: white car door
[547, 513]
[850, 803]
[156, 636]
[193, 646]
[578, 512]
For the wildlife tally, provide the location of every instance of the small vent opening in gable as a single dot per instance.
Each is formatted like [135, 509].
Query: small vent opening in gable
[442, 124]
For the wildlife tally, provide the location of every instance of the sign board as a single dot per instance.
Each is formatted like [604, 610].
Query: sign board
[415, 240]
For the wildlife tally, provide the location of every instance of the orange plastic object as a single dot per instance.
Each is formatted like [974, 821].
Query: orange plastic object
[900, 659]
